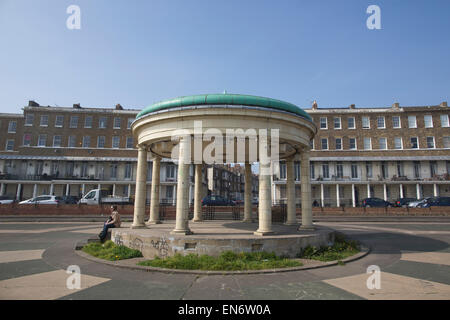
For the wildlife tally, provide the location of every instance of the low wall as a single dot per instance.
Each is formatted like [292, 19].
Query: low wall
[168, 212]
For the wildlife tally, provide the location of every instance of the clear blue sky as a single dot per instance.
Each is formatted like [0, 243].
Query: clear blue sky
[138, 52]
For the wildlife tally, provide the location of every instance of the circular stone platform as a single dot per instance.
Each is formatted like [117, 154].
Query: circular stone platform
[214, 237]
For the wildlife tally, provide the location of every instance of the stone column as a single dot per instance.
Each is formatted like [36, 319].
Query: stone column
[322, 200]
[435, 190]
[265, 201]
[338, 197]
[114, 190]
[418, 195]
[19, 188]
[141, 189]
[154, 197]
[401, 191]
[306, 191]
[68, 189]
[52, 188]
[2, 189]
[35, 190]
[385, 192]
[182, 210]
[290, 190]
[198, 193]
[248, 193]
[368, 191]
[353, 196]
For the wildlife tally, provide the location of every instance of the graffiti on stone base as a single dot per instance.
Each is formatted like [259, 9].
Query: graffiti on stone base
[161, 245]
[118, 239]
[137, 244]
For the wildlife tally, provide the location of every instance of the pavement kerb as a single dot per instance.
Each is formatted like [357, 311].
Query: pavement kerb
[365, 250]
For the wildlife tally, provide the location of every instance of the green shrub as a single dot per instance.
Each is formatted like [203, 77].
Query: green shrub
[110, 251]
[226, 261]
[341, 249]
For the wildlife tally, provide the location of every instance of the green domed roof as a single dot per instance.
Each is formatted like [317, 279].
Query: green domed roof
[225, 99]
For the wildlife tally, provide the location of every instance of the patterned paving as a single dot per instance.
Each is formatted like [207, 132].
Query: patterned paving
[414, 263]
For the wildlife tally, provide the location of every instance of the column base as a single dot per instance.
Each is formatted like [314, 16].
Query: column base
[153, 222]
[307, 228]
[197, 220]
[263, 233]
[248, 220]
[138, 226]
[290, 223]
[183, 232]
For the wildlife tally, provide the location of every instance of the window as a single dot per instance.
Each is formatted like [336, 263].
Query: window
[27, 139]
[59, 121]
[352, 143]
[338, 143]
[325, 170]
[396, 124]
[339, 170]
[115, 142]
[311, 144]
[369, 169]
[169, 192]
[446, 141]
[129, 142]
[113, 173]
[354, 170]
[367, 143]
[71, 142]
[337, 123]
[416, 169]
[324, 143]
[282, 170]
[130, 121]
[9, 145]
[351, 122]
[383, 143]
[86, 141]
[412, 123]
[400, 171]
[433, 168]
[102, 122]
[74, 121]
[366, 122]
[384, 170]
[170, 171]
[12, 127]
[428, 119]
[444, 121]
[323, 123]
[398, 143]
[380, 123]
[88, 122]
[101, 142]
[297, 170]
[42, 140]
[414, 143]
[311, 171]
[117, 123]
[430, 142]
[44, 121]
[57, 141]
[29, 119]
[128, 170]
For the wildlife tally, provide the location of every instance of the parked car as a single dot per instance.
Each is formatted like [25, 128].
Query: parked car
[375, 202]
[44, 199]
[6, 199]
[435, 202]
[216, 201]
[403, 202]
[99, 196]
[70, 199]
[415, 204]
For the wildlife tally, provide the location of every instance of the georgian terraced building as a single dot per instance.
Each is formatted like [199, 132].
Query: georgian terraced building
[357, 153]
[387, 153]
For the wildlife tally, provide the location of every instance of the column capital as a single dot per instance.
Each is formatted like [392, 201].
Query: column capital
[142, 147]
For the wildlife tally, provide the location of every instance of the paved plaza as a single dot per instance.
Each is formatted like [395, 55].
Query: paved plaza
[414, 258]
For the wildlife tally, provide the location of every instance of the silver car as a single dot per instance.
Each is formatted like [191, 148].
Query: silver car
[415, 204]
[44, 199]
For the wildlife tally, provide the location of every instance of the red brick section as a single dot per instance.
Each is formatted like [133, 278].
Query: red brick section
[169, 211]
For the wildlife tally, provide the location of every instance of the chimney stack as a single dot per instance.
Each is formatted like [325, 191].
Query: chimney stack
[32, 103]
[77, 106]
[314, 105]
[352, 106]
[119, 107]
[396, 105]
[444, 104]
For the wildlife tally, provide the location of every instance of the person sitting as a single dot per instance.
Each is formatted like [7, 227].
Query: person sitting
[112, 222]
